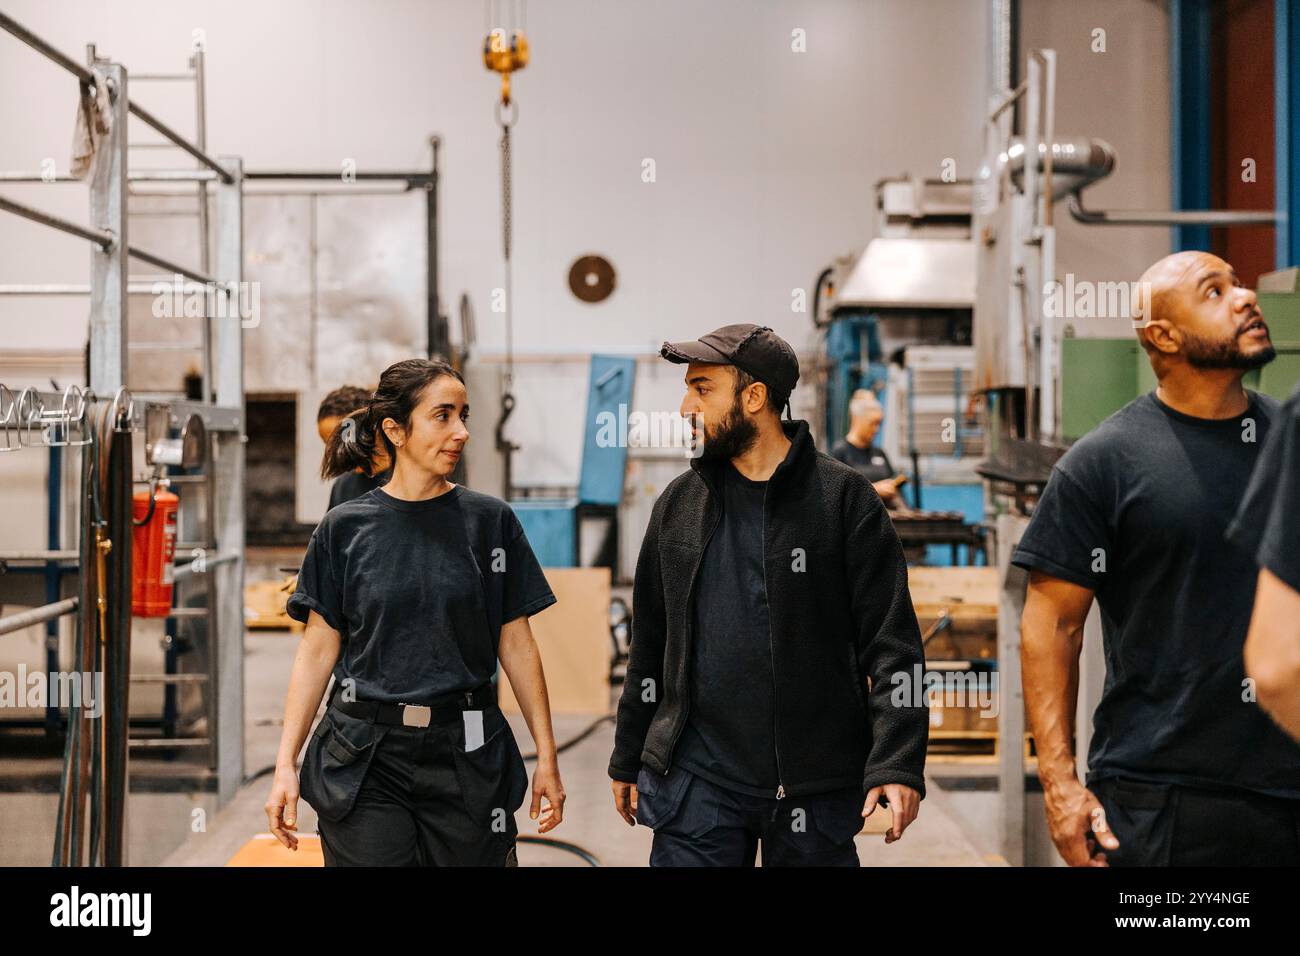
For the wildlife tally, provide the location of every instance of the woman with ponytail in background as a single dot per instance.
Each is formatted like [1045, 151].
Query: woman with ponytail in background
[335, 408]
[411, 593]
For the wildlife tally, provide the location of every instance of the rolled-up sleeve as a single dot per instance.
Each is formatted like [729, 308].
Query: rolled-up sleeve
[317, 589]
[525, 588]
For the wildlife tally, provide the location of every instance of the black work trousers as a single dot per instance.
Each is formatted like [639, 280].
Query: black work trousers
[1175, 825]
[698, 823]
[413, 796]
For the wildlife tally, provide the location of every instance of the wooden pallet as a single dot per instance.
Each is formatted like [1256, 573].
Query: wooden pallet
[972, 743]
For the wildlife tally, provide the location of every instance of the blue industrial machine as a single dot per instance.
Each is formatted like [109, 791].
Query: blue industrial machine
[554, 525]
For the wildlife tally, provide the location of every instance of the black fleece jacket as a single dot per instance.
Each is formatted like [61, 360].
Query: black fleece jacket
[841, 619]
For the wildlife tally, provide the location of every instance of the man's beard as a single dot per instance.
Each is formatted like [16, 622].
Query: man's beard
[1207, 353]
[734, 435]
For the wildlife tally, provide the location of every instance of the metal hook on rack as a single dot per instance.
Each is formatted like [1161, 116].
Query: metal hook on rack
[117, 414]
[26, 414]
[5, 415]
[57, 426]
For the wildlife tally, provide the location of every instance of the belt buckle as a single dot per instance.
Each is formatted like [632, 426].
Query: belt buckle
[416, 715]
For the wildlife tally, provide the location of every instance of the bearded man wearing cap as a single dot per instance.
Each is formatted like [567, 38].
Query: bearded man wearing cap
[772, 628]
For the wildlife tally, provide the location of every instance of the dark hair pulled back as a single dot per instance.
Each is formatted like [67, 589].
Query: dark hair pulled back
[354, 442]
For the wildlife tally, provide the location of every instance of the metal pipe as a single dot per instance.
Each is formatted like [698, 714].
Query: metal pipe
[44, 289]
[1026, 277]
[167, 743]
[184, 571]
[162, 263]
[197, 63]
[412, 179]
[255, 191]
[998, 47]
[1173, 217]
[169, 678]
[433, 317]
[1048, 58]
[54, 288]
[165, 347]
[40, 46]
[177, 140]
[1009, 100]
[139, 176]
[37, 615]
[162, 76]
[102, 239]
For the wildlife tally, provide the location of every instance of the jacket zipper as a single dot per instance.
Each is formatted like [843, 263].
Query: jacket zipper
[771, 648]
[690, 631]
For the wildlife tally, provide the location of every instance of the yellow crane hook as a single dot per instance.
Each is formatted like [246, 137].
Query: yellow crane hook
[504, 57]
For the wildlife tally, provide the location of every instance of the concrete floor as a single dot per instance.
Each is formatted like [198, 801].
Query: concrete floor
[173, 819]
[935, 839]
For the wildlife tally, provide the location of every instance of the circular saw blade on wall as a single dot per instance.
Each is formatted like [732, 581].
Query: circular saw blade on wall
[591, 278]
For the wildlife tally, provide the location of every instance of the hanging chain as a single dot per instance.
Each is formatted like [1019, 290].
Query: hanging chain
[505, 53]
[507, 196]
[507, 225]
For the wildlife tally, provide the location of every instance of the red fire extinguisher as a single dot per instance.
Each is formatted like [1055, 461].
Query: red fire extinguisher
[153, 552]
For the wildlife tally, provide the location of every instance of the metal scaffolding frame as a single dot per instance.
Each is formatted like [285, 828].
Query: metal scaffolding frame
[223, 409]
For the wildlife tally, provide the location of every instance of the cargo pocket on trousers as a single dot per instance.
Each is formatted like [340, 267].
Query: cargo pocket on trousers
[336, 763]
[493, 778]
[1141, 815]
[661, 802]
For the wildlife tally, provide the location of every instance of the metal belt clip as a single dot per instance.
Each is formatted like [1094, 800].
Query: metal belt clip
[416, 715]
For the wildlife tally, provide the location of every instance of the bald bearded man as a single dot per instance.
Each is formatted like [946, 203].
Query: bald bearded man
[1184, 767]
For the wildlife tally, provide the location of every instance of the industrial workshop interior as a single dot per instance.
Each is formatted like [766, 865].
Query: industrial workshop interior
[885, 447]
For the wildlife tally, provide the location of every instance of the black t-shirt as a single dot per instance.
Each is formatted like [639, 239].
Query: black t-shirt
[1137, 510]
[730, 735]
[419, 590]
[354, 484]
[1268, 524]
[871, 462]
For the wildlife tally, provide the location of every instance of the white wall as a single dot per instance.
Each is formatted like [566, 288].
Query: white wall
[765, 158]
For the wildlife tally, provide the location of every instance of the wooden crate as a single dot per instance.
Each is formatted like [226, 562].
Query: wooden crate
[969, 596]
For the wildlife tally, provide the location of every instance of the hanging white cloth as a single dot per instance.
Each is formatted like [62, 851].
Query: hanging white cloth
[94, 122]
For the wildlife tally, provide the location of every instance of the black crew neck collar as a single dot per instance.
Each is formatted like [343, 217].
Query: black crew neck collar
[1234, 421]
[423, 504]
[734, 473]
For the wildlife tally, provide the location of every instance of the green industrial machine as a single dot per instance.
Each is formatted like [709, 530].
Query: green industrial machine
[1101, 376]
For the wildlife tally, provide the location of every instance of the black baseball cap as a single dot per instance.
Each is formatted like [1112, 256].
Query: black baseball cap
[754, 348]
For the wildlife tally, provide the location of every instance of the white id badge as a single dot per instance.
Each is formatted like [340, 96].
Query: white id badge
[473, 729]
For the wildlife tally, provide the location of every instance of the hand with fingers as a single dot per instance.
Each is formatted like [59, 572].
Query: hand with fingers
[1078, 825]
[546, 784]
[887, 489]
[625, 800]
[282, 807]
[903, 802]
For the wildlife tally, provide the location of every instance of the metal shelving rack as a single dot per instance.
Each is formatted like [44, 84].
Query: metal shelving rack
[222, 410]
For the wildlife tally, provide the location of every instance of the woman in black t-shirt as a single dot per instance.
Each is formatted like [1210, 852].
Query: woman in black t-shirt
[411, 593]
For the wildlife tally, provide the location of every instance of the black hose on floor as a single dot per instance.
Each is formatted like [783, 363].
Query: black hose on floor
[590, 858]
